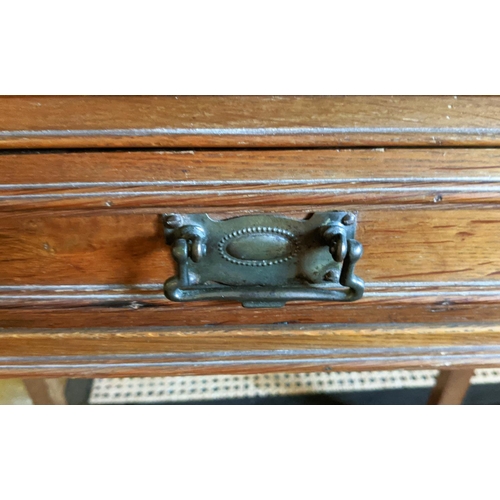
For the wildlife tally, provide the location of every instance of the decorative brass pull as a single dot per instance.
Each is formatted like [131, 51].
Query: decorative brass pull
[264, 260]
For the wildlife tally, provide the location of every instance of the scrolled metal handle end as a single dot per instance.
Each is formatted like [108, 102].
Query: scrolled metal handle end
[172, 290]
[347, 276]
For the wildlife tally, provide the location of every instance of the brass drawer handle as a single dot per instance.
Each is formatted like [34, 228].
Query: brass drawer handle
[263, 260]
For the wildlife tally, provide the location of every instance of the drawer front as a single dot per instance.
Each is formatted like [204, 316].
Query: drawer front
[83, 246]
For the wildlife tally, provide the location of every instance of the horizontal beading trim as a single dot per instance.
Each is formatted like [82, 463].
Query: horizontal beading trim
[252, 182]
[246, 131]
[299, 354]
[203, 192]
[158, 286]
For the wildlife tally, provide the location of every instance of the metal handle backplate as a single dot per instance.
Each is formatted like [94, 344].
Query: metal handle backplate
[264, 260]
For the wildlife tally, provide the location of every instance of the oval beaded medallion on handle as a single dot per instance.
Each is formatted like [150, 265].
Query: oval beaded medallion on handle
[258, 246]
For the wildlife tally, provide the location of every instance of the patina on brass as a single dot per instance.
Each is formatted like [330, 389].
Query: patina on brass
[264, 260]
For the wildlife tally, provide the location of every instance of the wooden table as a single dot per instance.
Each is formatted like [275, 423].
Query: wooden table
[85, 181]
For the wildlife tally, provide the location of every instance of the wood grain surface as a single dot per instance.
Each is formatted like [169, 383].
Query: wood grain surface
[129, 312]
[76, 237]
[248, 179]
[209, 350]
[108, 270]
[307, 121]
[419, 245]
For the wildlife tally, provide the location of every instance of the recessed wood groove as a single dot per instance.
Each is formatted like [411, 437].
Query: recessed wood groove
[252, 131]
[268, 191]
[251, 182]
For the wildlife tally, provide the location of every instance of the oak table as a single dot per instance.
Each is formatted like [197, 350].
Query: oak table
[103, 199]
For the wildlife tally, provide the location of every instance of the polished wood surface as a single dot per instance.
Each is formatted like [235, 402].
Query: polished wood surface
[83, 256]
[248, 180]
[415, 246]
[272, 348]
[308, 121]
[423, 265]
[82, 231]
[129, 312]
